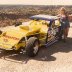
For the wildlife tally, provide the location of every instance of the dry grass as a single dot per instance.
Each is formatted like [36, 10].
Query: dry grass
[11, 14]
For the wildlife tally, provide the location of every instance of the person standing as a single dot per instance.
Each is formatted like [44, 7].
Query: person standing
[64, 20]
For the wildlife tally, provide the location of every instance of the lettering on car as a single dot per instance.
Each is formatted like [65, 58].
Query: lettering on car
[10, 37]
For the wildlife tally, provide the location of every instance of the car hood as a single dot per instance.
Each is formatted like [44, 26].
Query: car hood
[12, 35]
[9, 38]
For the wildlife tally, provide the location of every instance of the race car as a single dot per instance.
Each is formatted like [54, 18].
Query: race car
[29, 36]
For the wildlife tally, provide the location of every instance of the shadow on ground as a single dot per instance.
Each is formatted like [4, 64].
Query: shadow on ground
[45, 54]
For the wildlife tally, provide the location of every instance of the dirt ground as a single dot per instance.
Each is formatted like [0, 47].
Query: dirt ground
[56, 58]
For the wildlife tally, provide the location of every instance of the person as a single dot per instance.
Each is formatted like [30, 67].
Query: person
[64, 20]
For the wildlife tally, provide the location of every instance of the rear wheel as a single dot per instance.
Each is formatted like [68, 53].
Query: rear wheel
[32, 47]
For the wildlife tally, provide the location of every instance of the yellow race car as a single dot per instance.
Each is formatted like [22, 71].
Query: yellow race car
[29, 36]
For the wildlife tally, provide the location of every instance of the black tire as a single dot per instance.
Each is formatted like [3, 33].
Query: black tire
[30, 47]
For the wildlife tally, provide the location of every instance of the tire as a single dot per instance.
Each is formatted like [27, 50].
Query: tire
[32, 47]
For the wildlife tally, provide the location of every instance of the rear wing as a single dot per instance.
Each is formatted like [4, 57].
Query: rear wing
[44, 17]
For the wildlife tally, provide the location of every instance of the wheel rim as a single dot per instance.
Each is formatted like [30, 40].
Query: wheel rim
[36, 46]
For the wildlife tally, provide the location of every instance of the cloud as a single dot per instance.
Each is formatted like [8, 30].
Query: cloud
[37, 2]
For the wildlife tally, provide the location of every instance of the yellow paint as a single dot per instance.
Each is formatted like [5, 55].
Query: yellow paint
[11, 37]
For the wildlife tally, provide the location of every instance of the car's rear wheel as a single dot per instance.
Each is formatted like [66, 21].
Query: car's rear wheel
[32, 47]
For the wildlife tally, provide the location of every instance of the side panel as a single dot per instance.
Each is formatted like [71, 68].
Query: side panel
[9, 39]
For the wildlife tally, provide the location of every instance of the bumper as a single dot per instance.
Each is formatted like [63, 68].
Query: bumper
[5, 46]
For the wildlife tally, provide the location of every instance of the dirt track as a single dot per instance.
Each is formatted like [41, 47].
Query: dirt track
[56, 58]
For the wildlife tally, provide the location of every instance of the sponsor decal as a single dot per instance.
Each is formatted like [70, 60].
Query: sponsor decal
[11, 37]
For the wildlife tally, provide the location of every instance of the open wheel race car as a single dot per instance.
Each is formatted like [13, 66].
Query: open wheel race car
[29, 36]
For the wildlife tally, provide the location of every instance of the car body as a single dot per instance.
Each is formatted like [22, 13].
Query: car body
[40, 30]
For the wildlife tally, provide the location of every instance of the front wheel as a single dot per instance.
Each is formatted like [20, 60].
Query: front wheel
[32, 47]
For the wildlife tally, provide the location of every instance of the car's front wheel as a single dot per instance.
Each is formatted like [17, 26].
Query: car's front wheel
[32, 47]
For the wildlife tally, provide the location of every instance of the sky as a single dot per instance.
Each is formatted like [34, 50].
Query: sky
[37, 2]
